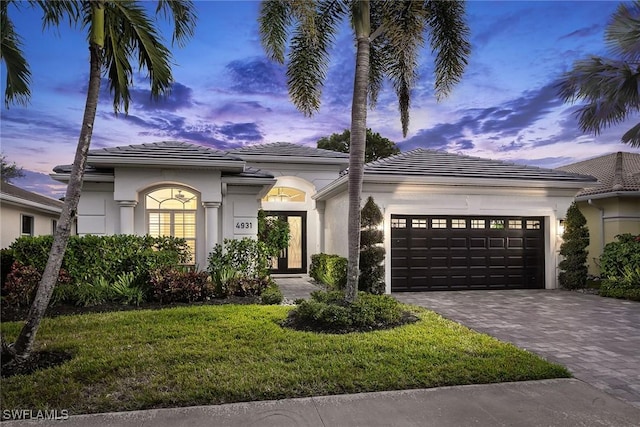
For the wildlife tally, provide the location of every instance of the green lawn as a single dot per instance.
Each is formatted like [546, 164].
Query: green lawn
[218, 354]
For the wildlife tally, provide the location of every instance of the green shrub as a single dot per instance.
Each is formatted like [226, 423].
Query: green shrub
[89, 257]
[273, 232]
[626, 286]
[616, 256]
[573, 274]
[248, 257]
[371, 278]
[330, 270]
[329, 312]
[90, 294]
[272, 295]
[174, 285]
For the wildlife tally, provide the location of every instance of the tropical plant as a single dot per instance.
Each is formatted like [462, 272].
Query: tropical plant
[376, 146]
[119, 32]
[609, 85]
[274, 232]
[573, 268]
[388, 36]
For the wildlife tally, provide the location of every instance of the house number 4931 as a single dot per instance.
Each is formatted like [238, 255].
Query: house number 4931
[245, 225]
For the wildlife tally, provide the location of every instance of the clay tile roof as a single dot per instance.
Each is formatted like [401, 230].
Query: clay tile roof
[287, 149]
[165, 150]
[616, 172]
[422, 162]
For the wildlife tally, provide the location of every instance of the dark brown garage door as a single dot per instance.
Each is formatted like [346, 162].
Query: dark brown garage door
[430, 253]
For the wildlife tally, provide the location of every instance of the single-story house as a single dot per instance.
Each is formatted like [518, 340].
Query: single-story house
[25, 213]
[450, 221]
[613, 206]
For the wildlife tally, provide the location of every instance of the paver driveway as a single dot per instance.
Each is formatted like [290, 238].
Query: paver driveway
[597, 338]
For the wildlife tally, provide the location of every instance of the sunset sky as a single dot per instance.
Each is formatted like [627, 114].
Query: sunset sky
[228, 94]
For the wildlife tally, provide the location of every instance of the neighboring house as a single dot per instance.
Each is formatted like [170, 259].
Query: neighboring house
[24, 213]
[613, 206]
[450, 221]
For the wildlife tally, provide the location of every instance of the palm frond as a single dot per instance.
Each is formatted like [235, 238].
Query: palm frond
[377, 58]
[130, 32]
[274, 20]
[405, 24]
[309, 57]
[184, 18]
[623, 32]
[449, 39]
[609, 87]
[632, 136]
[54, 12]
[18, 74]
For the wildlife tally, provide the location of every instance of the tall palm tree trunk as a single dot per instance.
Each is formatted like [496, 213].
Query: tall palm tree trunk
[23, 346]
[358, 141]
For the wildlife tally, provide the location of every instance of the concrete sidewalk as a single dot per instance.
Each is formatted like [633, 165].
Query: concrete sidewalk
[564, 402]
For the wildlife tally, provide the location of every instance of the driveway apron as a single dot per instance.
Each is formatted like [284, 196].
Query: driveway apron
[596, 338]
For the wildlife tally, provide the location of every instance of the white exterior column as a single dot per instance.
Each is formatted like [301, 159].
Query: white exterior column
[127, 217]
[320, 208]
[211, 224]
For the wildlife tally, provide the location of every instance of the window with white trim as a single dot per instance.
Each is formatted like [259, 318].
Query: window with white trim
[27, 225]
[171, 211]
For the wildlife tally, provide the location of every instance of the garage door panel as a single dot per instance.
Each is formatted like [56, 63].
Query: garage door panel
[440, 252]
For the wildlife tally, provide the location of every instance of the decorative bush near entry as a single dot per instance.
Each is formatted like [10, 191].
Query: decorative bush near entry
[272, 295]
[573, 274]
[273, 232]
[372, 253]
[330, 270]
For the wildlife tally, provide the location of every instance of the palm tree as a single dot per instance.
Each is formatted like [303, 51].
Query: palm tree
[388, 36]
[119, 31]
[609, 86]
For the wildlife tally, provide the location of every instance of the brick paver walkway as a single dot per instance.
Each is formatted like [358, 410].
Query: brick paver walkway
[597, 338]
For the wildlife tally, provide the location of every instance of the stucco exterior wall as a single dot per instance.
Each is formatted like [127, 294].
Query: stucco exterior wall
[606, 218]
[318, 175]
[11, 219]
[97, 211]
[453, 200]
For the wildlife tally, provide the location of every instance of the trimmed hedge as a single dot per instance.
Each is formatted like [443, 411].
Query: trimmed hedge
[90, 257]
[330, 270]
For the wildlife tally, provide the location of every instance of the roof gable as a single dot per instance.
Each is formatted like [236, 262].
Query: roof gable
[421, 162]
[616, 172]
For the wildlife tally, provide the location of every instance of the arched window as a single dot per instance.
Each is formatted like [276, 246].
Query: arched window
[171, 211]
[285, 194]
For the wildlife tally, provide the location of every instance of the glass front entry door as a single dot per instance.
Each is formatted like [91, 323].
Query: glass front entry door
[294, 258]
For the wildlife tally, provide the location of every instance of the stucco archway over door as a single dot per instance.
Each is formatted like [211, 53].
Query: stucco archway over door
[430, 253]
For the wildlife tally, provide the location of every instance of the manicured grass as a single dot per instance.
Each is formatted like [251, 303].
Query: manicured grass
[217, 354]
